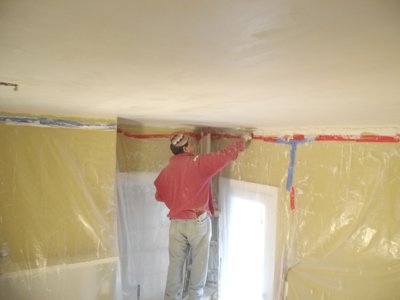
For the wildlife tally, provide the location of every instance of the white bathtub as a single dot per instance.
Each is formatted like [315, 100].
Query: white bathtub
[92, 280]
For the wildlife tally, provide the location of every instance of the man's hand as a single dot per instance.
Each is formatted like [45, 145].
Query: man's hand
[247, 137]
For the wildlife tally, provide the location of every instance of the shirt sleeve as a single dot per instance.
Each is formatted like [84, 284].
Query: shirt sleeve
[212, 163]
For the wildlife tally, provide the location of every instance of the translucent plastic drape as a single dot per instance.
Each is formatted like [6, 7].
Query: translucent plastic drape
[143, 223]
[337, 215]
[143, 237]
[346, 227]
[337, 211]
[57, 210]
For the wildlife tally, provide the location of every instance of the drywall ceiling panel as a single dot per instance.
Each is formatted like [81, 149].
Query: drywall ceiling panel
[242, 63]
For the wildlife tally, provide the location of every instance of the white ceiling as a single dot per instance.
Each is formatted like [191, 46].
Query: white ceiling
[236, 62]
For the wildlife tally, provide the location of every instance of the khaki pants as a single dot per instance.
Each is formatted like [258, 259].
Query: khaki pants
[196, 234]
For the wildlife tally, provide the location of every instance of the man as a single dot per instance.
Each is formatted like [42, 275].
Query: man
[184, 185]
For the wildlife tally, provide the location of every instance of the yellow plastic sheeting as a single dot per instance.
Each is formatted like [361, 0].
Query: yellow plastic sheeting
[345, 238]
[57, 209]
[145, 148]
[57, 190]
[342, 240]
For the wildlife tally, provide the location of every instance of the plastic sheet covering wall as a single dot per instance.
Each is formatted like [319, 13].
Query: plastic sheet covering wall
[337, 210]
[143, 237]
[143, 224]
[339, 218]
[346, 227]
[142, 152]
[57, 210]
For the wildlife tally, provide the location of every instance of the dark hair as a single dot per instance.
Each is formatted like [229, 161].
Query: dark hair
[178, 150]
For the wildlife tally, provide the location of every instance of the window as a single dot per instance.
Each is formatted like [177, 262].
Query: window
[248, 240]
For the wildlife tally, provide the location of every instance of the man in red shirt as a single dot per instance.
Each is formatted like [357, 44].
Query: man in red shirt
[184, 185]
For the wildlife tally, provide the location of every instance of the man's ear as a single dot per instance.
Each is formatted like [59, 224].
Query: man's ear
[185, 149]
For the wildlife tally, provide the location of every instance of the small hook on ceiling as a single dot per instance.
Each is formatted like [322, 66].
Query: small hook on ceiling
[10, 84]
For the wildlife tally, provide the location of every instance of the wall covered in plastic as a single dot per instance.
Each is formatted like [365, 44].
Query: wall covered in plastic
[339, 217]
[338, 209]
[346, 227]
[142, 222]
[57, 209]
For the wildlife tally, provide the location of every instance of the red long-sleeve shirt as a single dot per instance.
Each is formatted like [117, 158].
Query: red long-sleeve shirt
[184, 185]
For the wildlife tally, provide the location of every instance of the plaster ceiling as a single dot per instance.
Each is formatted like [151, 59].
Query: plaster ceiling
[238, 62]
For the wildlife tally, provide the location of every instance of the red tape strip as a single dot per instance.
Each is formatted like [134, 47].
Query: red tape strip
[292, 198]
[155, 136]
[362, 138]
[296, 137]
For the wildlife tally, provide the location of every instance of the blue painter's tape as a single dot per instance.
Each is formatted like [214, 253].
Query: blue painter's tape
[56, 122]
[293, 144]
[282, 140]
[289, 181]
[17, 119]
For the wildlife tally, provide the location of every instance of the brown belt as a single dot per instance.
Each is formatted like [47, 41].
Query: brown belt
[198, 213]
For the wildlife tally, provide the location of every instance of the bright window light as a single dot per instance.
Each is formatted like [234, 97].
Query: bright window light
[249, 226]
